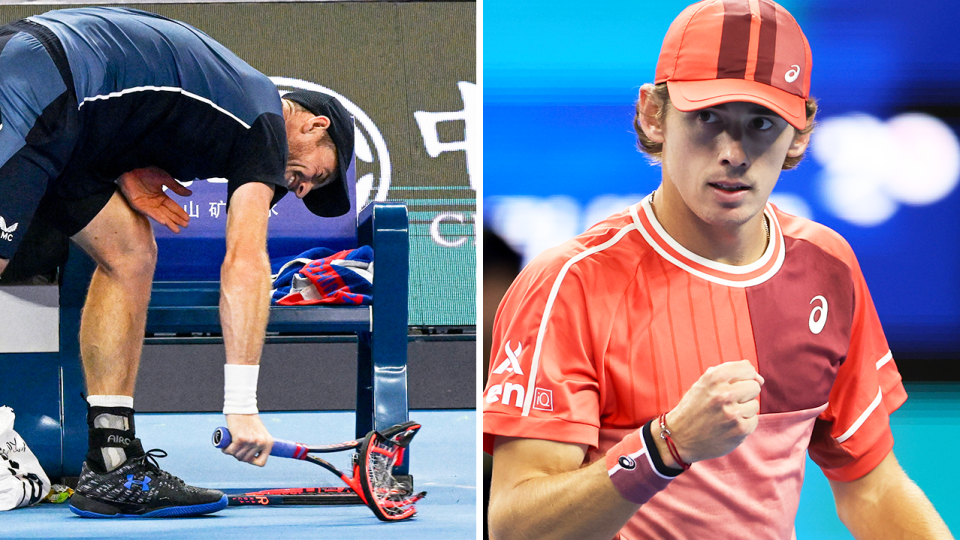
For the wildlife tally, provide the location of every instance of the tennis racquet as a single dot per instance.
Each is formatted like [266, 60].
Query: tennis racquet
[324, 496]
[373, 482]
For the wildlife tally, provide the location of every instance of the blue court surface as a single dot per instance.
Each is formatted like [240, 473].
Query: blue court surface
[443, 464]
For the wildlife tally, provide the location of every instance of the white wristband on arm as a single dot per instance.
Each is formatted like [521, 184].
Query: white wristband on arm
[240, 389]
[635, 467]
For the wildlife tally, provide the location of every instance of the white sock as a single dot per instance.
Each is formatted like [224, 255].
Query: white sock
[110, 401]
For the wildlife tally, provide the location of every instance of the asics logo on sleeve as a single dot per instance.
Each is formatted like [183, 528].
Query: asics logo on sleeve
[6, 233]
[792, 75]
[818, 317]
[511, 363]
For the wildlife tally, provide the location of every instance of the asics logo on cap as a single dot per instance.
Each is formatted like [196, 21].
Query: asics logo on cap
[721, 51]
[792, 75]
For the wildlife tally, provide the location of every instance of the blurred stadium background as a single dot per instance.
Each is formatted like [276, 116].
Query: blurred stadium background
[560, 80]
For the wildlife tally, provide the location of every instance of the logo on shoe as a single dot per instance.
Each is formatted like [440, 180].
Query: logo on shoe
[144, 484]
[627, 463]
[118, 440]
[6, 233]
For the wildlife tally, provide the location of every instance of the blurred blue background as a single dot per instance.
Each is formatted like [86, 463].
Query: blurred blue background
[560, 79]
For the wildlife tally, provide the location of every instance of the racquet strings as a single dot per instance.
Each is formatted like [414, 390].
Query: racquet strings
[393, 497]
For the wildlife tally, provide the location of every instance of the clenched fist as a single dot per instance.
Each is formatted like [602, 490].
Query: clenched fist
[716, 415]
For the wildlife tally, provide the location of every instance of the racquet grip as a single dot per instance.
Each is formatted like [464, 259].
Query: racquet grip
[281, 448]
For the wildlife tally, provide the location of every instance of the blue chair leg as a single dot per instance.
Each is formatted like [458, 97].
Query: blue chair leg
[365, 405]
[381, 387]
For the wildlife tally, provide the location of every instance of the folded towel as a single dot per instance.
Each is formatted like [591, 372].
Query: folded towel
[320, 276]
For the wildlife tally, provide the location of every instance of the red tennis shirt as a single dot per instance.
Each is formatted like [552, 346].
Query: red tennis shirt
[605, 332]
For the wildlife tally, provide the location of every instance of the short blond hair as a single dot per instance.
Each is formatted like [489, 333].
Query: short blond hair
[662, 96]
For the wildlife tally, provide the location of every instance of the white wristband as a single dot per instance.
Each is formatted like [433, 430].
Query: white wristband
[240, 389]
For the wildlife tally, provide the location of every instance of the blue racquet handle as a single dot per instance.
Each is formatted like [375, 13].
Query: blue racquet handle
[281, 448]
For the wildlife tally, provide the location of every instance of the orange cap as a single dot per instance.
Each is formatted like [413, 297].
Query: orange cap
[718, 51]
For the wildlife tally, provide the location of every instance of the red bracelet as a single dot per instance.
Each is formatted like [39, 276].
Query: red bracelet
[665, 435]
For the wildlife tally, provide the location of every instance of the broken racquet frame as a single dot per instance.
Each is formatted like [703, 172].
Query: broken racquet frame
[372, 481]
[323, 496]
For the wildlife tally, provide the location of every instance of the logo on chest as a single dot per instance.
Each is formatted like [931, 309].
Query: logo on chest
[818, 316]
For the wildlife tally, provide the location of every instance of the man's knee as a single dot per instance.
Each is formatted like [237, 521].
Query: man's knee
[130, 254]
[3, 264]
[121, 241]
[135, 257]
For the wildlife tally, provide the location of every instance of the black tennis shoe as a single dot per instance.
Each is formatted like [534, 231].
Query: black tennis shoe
[138, 488]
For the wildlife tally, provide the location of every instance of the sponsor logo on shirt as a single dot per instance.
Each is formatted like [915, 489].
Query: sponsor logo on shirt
[506, 392]
[6, 233]
[542, 399]
[510, 363]
[818, 317]
[512, 394]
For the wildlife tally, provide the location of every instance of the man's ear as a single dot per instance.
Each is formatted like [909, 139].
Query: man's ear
[799, 145]
[649, 112]
[316, 123]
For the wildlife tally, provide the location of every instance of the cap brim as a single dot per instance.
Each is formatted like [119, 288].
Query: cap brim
[331, 200]
[689, 96]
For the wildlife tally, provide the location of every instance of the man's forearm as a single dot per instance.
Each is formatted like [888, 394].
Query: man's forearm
[887, 505]
[244, 305]
[244, 309]
[581, 505]
[901, 513]
[539, 491]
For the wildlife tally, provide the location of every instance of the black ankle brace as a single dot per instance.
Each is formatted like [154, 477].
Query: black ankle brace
[109, 428]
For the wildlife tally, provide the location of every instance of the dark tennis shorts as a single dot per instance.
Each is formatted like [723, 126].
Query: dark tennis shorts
[39, 129]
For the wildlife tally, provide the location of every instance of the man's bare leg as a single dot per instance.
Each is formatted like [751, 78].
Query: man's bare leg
[117, 480]
[112, 325]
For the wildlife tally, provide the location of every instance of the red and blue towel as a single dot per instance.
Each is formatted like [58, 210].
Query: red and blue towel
[322, 276]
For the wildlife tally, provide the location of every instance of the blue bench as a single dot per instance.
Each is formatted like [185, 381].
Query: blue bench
[45, 388]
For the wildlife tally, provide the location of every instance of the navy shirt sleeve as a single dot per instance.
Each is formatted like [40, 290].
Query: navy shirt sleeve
[261, 157]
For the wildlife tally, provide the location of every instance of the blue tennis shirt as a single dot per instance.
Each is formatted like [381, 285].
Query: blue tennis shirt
[154, 91]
